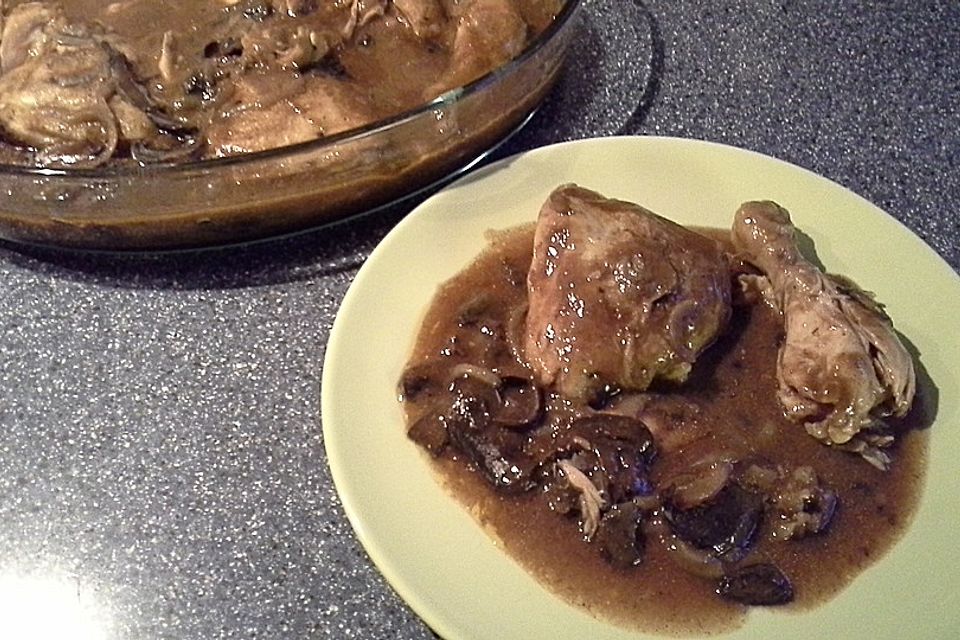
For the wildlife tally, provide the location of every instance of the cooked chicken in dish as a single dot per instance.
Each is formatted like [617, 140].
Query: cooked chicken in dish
[619, 296]
[841, 368]
[425, 17]
[86, 82]
[627, 426]
[67, 93]
[489, 33]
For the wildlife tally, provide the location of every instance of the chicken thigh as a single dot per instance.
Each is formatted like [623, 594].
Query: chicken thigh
[841, 368]
[618, 296]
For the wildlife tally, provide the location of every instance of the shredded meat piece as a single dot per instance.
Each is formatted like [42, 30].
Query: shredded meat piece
[590, 501]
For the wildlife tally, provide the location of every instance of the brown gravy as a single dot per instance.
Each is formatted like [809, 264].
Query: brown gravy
[734, 384]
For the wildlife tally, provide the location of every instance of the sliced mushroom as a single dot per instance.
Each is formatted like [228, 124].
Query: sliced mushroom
[482, 374]
[521, 402]
[164, 139]
[145, 154]
[624, 450]
[469, 406]
[727, 525]
[468, 381]
[701, 483]
[513, 401]
[468, 429]
[757, 584]
[620, 536]
[430, 432]
[424, 381]
[692, 560]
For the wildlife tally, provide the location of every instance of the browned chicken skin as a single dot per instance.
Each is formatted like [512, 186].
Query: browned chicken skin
[619, 296]
[841, 368]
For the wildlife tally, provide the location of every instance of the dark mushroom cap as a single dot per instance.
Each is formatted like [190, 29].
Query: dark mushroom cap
[620, 537]
[624, 451]
[497, 453]
[430, 432]
[756, 584]
[727, 524]
[520, 403]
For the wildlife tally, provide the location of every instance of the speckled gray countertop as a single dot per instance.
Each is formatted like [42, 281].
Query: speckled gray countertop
[162, 471]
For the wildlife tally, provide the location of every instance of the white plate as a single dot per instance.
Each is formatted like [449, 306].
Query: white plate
[435, 555]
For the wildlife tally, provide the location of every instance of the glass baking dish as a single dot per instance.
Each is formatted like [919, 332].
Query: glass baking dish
[256, 195]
